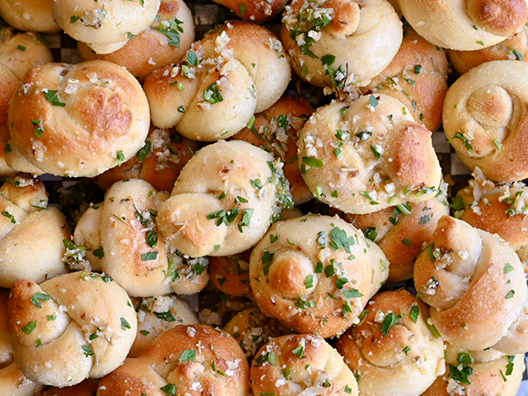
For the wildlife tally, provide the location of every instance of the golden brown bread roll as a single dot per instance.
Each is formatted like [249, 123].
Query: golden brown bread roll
[315, 273]
[254, 10]
[76, 120]
[400, 232]
[392, 351]
[301, 364]
[32, 15]
[12, 381]
[105, 26]
[367, 156]
[158, 314]
[498, 209]
[417, 77]
[224, 200]
[30, 232]
[8, 87]
[230, 274]
[165, 41]
[475, 373]
[189, 360]
[69, 328]
[235, 71]
[22, 51]
[276, 130]
[465, 25]
[475, 285]
[158, 162]
[340, 44]
[513, 48]
[123, 239]
[252, 329]
[486, 122]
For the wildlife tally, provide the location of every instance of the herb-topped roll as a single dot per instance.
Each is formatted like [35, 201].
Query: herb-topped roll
[224, 201]
[475, 285]
[368, 155]
[392, 347]
[165, 41]
[485, 120]
[31, 232]
[316, 273]
[301, 364]
[417, 76]
[236, 71]
[401, 230]
[190, 360]
[465, 25]
[121, 237]
[104, 25]
[487, 372]
[76, 120]
[34, 15]
[340, 44]
[69, 328]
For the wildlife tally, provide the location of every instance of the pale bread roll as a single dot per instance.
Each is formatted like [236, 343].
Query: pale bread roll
[165, 41]
[158, 162]
[475, 285]
[104, 25]
[300, 262]
[392, 351]
[492, 373]
[254, 10]
[276, 129]
[122, 238]
[156, 315]
[367, 156]
[340, 44]
[301, 364]
[189, 360]
[465, 25]
[513, 48]
[76, 120]
[485, 120]
[417, 77]
[236, 71]
[12, 381]
[8, 87]
[400, 232]
[224, 201]
[32, 15]
[69, 328]
[30, 232]
[22, 51]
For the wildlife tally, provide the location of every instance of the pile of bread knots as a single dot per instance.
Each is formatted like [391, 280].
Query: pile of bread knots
[260, 195]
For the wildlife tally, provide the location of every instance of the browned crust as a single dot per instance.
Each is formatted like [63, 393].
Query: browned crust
[254, 10]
